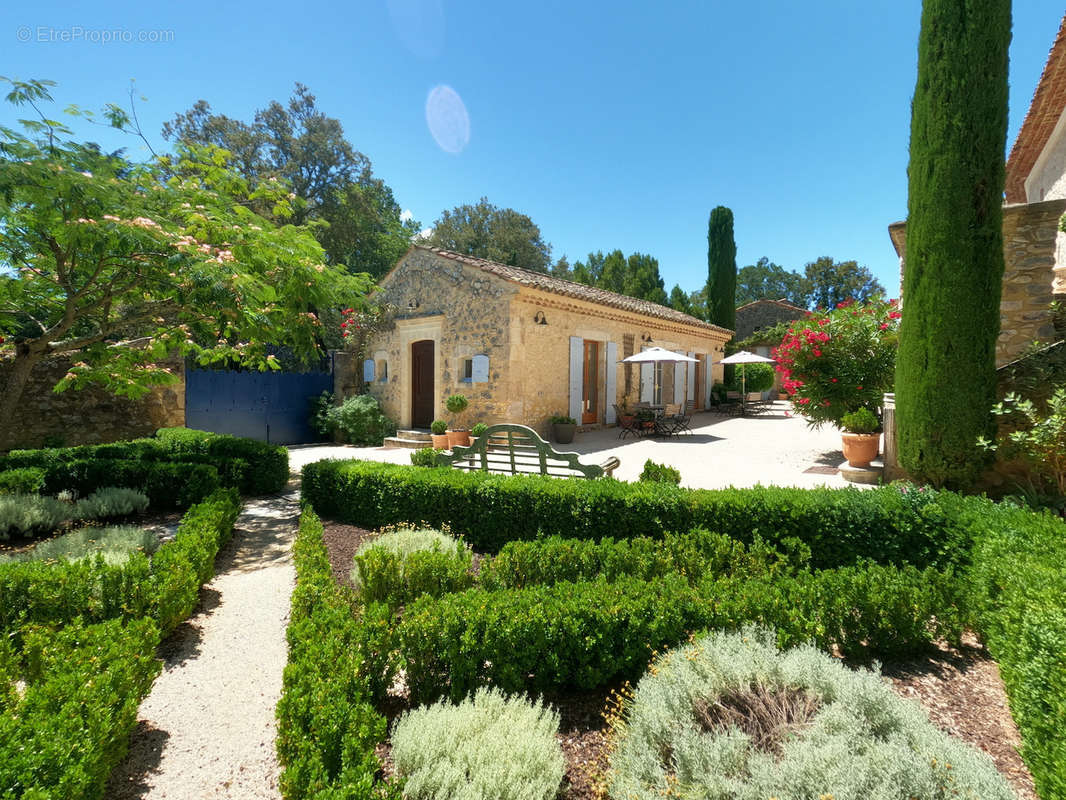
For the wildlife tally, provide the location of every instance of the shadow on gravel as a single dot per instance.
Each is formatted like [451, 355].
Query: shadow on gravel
[130, 778]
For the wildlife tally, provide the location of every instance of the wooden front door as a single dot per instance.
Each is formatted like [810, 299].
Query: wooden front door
[422, 383]
[590, 396]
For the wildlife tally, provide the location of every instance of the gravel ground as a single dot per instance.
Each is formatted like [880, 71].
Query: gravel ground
[207, 728]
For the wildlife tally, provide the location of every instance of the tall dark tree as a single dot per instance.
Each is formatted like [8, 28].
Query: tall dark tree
[945, 370]
[589, 270]
[498, 234]
[828, 283]
[333, 182]
[613, 274]
[562, 269]
[721, 269]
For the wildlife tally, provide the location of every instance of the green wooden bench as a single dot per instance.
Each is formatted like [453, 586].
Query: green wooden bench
[518, 450]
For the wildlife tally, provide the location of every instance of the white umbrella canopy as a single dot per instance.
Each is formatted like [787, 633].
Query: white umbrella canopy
[657, 354]
[742, 358]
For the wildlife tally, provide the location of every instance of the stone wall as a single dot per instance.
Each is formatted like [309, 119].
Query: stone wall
[764, 314]
[466, 313]
[1030, 233]
[90, 415]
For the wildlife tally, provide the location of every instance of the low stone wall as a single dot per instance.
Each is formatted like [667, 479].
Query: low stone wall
[90, 415]
[1030, 244]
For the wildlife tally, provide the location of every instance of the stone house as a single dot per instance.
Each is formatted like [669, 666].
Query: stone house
[1033, 246]
[525, 345]
[761, 314]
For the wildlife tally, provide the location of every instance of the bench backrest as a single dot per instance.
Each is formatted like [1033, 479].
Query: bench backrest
[516, 449]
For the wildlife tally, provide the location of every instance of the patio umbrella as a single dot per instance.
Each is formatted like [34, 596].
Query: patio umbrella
[742, 358]
[653, 354]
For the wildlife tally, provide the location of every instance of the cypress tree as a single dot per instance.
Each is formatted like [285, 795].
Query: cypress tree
[945, 370]
[721, 269]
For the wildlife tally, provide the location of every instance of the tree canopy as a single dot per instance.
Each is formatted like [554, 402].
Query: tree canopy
[829, 283]
[497, 234]
[117, 265]
[332, 181]
[766, 280]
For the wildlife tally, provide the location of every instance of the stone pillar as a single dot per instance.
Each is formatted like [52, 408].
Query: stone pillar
[893, 471]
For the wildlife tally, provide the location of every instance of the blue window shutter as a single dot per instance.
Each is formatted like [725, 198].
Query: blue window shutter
[479, 371]
[368, 371]
[612, 381]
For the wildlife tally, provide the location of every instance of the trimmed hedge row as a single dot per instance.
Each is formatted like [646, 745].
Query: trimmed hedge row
[1019, 584]
[339, 661]
[62, 737]
[586, 635]
[840, 526]
[253, 467]
[165, 588]
[26, 480]
[693, 555]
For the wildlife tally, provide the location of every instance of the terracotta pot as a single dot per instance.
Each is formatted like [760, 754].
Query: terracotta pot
[456, 438]
[861, 448]
[440, 441]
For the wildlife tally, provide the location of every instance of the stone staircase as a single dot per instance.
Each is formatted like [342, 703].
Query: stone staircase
[412, 440]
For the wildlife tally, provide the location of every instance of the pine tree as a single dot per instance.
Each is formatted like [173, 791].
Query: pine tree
[721, 269]
[945, 371]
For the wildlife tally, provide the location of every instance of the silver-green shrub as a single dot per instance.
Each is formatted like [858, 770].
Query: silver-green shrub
[26, 514]
[731, 716]
[110, 502]
[114, 543]
[405, 563]
[489, 747]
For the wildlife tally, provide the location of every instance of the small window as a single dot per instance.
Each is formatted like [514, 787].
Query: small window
[383, 370]
[467, 375]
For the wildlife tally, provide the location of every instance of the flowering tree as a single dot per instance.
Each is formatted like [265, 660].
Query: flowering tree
[117, 265]
[836, 362]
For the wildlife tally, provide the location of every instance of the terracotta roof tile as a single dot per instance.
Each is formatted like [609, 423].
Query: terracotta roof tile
[781, 303]
[1049, 100]
[549, 283]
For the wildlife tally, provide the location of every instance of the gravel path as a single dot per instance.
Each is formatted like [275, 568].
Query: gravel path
[207, 729]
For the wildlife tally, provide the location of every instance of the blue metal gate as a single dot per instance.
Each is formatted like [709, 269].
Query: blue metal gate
[268, 406]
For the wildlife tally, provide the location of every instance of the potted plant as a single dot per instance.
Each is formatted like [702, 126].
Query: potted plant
[439, 435]
[457, 434]
[563, 428]
[861, 437]
[477, 431]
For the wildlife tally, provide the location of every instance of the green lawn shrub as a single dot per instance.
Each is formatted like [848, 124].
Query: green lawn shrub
[693, 555]
[488, 746]
[403, 564]
[30, 514]
[730, 716]
[840, 526]
[115, 543]
[588, 634]
[339, 662]
[63, 734]
[165, 588]
[111, 502]
[1019, 583]
[255, 468]
[659, 473]
[25, 480]
[168, 485]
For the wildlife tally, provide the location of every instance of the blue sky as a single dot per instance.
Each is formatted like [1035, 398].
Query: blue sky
[613, 125]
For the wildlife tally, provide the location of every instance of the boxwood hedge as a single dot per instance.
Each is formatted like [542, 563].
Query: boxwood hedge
[839, 525]
[161, 466]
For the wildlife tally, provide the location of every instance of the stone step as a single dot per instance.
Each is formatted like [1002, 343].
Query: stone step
[414, 435]
[410, 444]
[871, 475]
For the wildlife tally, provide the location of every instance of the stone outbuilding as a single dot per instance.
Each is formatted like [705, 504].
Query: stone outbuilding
[525, 345]
[1033, 246]
[762, 314]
